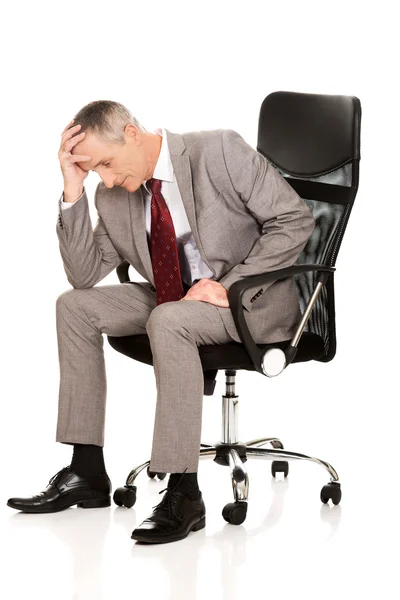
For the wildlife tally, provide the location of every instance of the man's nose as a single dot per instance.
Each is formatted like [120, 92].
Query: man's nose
[108, 182]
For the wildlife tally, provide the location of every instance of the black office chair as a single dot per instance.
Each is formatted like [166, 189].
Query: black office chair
[313, 140]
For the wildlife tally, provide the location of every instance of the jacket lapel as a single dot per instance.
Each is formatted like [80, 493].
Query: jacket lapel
[138, 227]
[183, 176]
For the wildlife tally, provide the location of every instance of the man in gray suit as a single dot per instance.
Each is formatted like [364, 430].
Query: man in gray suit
[226, 214]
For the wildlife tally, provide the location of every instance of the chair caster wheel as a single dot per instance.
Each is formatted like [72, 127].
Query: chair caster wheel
[160, 476]
[235, 512]
[125, 496]
[279, 466]
[331, 491]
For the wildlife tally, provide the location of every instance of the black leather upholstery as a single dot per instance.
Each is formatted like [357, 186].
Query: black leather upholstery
[309, 134]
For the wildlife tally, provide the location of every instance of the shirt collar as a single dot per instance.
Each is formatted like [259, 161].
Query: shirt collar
[163, 169]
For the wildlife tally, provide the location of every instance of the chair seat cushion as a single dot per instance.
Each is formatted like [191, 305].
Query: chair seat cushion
[219, 356]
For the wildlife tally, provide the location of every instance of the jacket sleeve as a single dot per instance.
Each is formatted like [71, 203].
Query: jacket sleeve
[285, 219]
[88, 255]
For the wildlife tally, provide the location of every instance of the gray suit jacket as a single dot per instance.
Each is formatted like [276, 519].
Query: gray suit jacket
[245, 218]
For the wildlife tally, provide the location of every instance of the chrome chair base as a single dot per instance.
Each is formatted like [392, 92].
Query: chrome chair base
[234, 454]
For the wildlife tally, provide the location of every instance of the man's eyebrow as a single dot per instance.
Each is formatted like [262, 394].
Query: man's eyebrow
[104, 160]
[100, 161]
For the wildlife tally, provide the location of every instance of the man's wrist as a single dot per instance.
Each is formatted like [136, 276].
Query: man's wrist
[72, 195]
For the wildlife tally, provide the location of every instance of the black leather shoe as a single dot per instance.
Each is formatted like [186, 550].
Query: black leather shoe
[173, 519]
[65, 489]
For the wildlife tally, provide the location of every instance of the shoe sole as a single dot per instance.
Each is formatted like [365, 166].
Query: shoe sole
[94, 503]
[196, 527]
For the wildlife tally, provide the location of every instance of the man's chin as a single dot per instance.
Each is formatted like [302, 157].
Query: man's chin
[128, 186]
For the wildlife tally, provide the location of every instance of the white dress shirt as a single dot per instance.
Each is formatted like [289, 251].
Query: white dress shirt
[191, 265]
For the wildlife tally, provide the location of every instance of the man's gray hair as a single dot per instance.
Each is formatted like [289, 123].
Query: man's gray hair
[107, 119]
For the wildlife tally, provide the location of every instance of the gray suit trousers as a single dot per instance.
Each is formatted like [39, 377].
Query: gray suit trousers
[175, 330]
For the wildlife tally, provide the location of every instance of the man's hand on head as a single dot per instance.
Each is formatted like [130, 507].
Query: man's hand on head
[210, 291]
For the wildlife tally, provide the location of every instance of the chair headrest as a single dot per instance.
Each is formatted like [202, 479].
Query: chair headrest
[309, 134]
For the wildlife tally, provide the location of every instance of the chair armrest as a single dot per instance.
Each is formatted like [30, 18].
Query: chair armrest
[236, 292]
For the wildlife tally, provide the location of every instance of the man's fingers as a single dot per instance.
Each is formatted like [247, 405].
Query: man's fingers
[79, 158]
[69, 133]
[68, 126]
[68, 144]
[196, 295]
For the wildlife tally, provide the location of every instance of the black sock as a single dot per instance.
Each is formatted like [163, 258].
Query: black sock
[187, 483]
[87, 460]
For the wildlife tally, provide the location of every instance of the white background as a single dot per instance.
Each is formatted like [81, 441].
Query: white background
[190, 66]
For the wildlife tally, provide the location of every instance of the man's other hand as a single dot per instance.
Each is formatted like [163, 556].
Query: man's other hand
[210, 291]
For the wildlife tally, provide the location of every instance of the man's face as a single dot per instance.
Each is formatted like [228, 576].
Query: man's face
[117, 164]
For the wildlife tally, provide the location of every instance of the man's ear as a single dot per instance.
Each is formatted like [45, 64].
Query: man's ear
[132, 132]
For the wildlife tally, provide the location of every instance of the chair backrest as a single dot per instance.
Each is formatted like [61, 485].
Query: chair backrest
[313, 140]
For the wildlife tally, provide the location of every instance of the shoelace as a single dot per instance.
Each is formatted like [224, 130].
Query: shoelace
[170, 500]
[58, 475]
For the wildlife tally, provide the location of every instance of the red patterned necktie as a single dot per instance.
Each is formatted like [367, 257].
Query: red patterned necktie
[164, 249]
